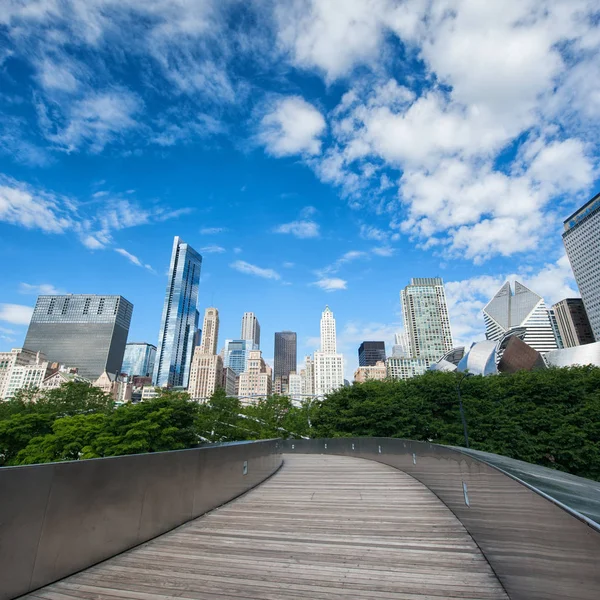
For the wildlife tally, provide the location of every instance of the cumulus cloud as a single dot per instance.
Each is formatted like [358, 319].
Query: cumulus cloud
[16, 313]
[250, 269]
[291, 126]
[331, 284]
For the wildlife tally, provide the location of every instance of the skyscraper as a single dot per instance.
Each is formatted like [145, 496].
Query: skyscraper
[251, 328]
[328, 364]
[285, 354]
[210, 331]
[257, 381]
[426, 318]
[523, 308]
[84, 331]
[582, 242]
[370, 353]
[139, 359]
[328, 337]
[179, 318]
[235, 354]
[206, 371]
[573, 323]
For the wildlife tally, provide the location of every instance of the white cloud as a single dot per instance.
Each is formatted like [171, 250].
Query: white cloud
[97, 120]
[383, 251]
[33, 209]
[212, 230]
[41, 288]
[331, 284]
[245, 267]
[370, 232]
[91, 242]
[299, 229]
[16, 313]
[288, 265]
[212, 249]
[133, 259]
[347, 257]
[291, 126]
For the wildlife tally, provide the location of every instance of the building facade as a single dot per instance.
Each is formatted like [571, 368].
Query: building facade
[179, 322]
[370, 353]
[210, 331]
[581, 238]
[376, 372]
[328, 334]
[295, 387]
[405, 368]
[285, 354]
[522, 308]
[139, 359]
[236, 353]
[251, 328]
[230, 381]
[401, 347]
[426, 318]
[84, 331]
[206, 375]
[256, 382]
[573, 323]
[116, 386]
[308, 376]
[21, 369]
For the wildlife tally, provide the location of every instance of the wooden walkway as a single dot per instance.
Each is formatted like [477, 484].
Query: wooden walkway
[325, 527]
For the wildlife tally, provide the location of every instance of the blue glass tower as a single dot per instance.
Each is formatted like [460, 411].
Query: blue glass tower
[139, 359]
[179, 318]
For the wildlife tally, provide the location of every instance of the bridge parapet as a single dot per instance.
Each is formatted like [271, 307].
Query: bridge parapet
[539, 548]
[59, 518]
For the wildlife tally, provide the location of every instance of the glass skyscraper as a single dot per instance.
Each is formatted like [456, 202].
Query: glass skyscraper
[426, 318]
[370, 353]
[285, 354]
[582, 243]
[84, 331]
[139, 359]
[235, 354]
[179, 322]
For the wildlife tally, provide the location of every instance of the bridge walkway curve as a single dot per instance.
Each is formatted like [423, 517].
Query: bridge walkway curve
[323, 527]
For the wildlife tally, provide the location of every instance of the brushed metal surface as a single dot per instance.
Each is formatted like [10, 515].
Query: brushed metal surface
[538, 550]
[59, 518]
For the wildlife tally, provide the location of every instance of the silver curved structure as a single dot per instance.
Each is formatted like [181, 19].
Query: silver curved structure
[480, 359]
[589, 354]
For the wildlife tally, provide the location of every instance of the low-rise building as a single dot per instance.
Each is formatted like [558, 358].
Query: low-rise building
[405, 368]
[149, 392]
[117, 387]
[21, 368]
[62, 376]
[377, 372]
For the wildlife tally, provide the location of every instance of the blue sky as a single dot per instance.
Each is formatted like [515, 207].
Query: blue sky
[314, 152]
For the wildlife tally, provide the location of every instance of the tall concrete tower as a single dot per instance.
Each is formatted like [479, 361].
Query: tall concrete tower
[250, 328]
[210, 331]
[328, 337]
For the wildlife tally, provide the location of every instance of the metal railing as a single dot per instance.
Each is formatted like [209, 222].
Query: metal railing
[59, 518]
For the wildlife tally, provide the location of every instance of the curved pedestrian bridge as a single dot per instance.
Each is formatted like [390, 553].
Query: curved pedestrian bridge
[323, 526]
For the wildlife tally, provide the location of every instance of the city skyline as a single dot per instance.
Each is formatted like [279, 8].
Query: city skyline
[325, 156]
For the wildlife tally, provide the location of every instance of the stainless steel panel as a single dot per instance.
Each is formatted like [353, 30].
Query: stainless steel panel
[59, 518]
[23, 497]
[538, 549]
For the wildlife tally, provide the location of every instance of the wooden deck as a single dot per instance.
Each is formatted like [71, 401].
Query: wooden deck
[325, 527]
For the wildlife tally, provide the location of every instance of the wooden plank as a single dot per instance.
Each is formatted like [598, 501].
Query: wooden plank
[323, 527]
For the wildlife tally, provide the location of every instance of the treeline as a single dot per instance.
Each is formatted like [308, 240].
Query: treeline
[549, 417]
[77, 421]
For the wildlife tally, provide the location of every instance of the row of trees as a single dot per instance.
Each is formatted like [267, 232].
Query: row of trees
[549, 417]
[76, 421]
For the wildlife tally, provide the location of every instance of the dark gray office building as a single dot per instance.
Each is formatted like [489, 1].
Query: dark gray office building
[573, 323]
[285, 354]
[369, 353]
[84, 331]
